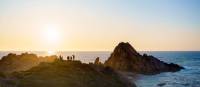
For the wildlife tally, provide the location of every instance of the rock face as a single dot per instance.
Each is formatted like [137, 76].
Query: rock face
[126, 58]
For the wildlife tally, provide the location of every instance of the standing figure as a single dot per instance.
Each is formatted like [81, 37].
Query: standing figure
[70, 58]
[67, 57]
[60, 58]
[97, 61]
[73, 57]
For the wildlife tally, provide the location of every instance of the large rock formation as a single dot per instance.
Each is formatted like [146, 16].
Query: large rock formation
[126, 58]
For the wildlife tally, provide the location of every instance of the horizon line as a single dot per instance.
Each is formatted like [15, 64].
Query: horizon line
[94, 50]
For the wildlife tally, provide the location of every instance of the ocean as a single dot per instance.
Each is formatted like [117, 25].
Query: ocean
[188, 77]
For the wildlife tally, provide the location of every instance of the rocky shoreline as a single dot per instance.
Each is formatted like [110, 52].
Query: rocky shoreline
[126, 58]
[29, 70]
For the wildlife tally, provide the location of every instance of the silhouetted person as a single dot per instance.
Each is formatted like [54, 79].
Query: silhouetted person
[61, 58]
[67, 57]
[70, 58]
[73, 57]
[97, 61]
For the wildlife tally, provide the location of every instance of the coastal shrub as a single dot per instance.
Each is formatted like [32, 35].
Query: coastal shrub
[2, 75]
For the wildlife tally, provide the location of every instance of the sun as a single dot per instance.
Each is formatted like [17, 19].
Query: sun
[51, 34]
[51, 37]
[51, 52]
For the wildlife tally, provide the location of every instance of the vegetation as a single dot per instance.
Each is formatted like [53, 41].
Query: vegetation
[2, 75]
[29, 70]
[67, 74]
[13, 63]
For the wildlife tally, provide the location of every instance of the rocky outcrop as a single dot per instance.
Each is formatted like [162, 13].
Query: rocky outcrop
[126, 58]
[13, 62]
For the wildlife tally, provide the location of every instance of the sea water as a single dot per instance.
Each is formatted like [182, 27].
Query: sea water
[188, 77]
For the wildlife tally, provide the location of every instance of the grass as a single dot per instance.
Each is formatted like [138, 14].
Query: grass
[67, 74]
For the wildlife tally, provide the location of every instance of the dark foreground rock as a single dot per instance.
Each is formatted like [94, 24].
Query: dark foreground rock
[66, 74]
[126, 58]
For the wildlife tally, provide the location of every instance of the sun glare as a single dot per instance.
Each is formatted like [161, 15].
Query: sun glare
[51, 52]
[51, 34]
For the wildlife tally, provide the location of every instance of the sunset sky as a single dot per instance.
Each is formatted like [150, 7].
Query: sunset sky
[99, 25]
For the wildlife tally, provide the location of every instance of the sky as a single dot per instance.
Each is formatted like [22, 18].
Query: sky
[99, 25]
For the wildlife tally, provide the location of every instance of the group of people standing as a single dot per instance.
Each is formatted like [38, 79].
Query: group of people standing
[71, 57]
[68, 57]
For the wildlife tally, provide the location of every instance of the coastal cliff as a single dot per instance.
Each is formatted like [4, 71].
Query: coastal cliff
[28, 70]
[126, 58]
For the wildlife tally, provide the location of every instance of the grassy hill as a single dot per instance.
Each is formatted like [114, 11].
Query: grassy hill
[14, 63]
[62, 73]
